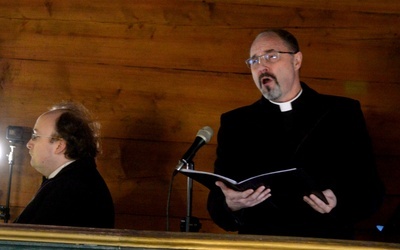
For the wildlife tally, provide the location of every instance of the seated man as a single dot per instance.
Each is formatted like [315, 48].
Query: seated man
[63, 148]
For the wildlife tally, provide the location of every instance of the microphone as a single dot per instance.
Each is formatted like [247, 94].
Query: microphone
[203, 136]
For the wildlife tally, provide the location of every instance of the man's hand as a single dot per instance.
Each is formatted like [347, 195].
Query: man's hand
[320, 206]
[249, 198]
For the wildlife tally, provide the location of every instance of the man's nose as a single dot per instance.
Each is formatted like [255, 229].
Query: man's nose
[29, 144]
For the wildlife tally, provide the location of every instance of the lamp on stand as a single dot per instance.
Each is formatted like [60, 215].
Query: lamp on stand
[15, 134]
[5, 210]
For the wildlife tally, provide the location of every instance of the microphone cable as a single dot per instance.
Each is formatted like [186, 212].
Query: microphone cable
[169, 198]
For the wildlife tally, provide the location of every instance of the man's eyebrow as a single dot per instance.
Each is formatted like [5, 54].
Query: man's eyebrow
[264, 52]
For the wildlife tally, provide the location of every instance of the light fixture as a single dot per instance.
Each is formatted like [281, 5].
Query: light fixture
[14, 135]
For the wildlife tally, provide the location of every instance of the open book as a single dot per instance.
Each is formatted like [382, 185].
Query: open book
[276, 180]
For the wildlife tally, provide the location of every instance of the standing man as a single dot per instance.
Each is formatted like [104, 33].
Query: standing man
[294, 126]
[63, 148]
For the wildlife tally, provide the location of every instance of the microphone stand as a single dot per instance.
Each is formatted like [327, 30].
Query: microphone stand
[190, 223]
[5, 210]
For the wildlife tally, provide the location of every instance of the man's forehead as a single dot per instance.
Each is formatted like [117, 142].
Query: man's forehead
[267, 43]
[47, 119]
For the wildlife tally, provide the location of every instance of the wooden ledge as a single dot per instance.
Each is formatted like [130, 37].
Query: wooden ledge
[90, 238]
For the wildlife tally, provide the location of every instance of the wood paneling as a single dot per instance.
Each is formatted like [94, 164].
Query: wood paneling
[154, 72]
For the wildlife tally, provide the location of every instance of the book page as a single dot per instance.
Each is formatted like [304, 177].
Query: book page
[269, 173]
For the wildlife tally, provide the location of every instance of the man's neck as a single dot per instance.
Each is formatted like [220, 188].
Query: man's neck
[57, 170]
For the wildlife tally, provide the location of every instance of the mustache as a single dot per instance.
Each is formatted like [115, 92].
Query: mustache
[266, 74]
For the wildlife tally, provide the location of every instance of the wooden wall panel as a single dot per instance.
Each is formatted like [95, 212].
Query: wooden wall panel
[123, 97]
[154, 72]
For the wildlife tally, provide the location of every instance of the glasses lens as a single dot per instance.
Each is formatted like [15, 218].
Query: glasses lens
[271, 56]
[251, 61]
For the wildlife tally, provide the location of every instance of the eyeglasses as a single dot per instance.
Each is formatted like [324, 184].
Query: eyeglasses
[34, 136]
[271, 56]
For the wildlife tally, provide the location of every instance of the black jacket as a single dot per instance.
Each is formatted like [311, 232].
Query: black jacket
[76, 196]
[326, 136]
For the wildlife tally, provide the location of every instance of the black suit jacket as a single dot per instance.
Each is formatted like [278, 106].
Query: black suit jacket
[76, 196]
[324, 135]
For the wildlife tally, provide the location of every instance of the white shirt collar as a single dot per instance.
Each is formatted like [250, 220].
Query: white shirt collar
[55, 172]
[287, 106]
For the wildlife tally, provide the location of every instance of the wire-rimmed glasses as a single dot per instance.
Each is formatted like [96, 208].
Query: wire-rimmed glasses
[271, 56]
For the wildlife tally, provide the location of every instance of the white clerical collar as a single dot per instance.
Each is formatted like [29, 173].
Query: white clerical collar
[55, 172]
[287, 106]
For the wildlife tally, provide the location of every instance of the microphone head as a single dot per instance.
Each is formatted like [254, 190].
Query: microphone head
[206, 133]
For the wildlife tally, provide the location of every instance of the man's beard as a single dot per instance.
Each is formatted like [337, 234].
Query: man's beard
[271, 94]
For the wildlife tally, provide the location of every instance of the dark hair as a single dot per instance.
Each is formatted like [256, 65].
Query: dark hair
[286, 36]
[76, 127]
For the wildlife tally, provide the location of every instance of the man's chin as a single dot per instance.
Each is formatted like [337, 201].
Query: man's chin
[271, 95]
[266, 91]
[266, 95]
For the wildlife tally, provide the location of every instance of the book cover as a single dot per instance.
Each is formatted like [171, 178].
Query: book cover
[281, 182]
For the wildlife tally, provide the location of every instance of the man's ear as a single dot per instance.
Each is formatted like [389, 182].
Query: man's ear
[298, 58]
[61, 146]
